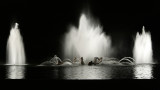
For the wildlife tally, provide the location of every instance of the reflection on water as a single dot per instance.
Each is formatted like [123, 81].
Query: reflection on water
[87, 72]
[143, 72]
[108, 72]
[15, 72]
[80, 72]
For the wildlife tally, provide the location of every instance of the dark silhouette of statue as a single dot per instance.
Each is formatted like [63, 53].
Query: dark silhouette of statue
[82, 62]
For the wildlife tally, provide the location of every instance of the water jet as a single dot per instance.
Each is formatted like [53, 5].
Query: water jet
[15, 47]
[142, 51]
[88, 40]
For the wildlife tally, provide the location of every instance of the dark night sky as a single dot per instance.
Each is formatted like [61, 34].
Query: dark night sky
[43, 24]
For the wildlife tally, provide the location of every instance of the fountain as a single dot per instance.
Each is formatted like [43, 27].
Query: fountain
[88, 40]
[15, 47]
[142, 51]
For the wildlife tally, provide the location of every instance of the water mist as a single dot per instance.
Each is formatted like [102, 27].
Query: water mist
[142, 51]
[88, 40]
[15, 48]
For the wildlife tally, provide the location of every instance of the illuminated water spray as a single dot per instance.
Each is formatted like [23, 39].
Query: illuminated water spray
[15, 47]
[88, 40]
[142, 51]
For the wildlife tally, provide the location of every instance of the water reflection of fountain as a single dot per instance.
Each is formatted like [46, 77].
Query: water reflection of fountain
[143, 71]
[87, 72]
[15, 72]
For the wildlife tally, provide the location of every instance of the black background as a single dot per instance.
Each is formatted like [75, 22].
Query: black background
[44, 23]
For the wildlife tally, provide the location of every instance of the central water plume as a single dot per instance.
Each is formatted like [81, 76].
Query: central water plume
[142, 51]
[15, 47]
[88, 40]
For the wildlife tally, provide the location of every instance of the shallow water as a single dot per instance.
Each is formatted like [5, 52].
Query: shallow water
[143, 71]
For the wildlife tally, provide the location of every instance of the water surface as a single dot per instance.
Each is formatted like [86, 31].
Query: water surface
[143, 71]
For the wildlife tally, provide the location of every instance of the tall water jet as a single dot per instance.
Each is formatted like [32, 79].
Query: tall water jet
[88, 40]
[142, 51]
[15, 47]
